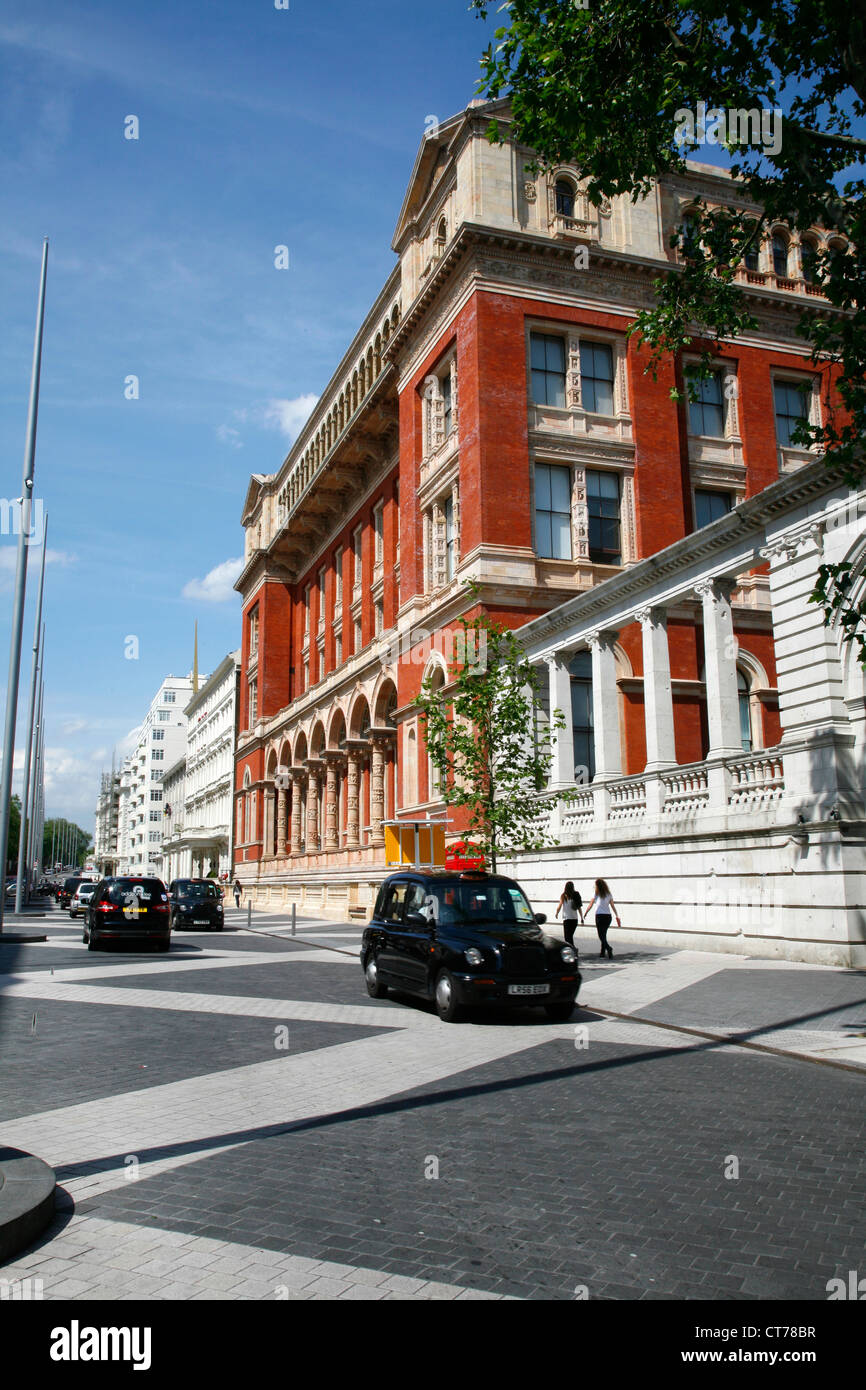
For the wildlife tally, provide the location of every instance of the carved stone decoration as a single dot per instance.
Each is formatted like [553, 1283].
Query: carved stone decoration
[605, 208]
[580, 514]
[377, 793]
[312, 811]
[297, 784]
[572, 380]
[530, 192]
[439, 548]
[281, 820]
[353, 776]
[331, 836]
[629, 539]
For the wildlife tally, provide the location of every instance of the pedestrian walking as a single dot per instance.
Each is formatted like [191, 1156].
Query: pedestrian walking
[236, 889]
[571, 905]
[604, 906]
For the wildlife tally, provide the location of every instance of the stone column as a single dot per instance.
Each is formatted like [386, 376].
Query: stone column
[562, 740]
[297, 782]
[377, 793]
[605, 718]
[332, 838]
[353, 782]
[723, 701]
[312, 808]
[720, 668]
[605, 705]
[657, 693]
[281, 814]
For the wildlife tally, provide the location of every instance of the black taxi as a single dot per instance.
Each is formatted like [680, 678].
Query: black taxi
[464, 939]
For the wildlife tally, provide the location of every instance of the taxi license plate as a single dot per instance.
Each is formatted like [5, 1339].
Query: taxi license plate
[529, 989]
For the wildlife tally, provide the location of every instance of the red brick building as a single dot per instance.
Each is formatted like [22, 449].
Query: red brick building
[492, 421]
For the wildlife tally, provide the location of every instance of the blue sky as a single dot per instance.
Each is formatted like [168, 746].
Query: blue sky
[257, 127]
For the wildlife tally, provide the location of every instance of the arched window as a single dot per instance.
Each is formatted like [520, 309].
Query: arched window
[751, 259]
[690, 244]
[808, 258]
[441, 235]
[564, 198]
[437, 680]
[780, 254]
[744, 697]
[580, 670]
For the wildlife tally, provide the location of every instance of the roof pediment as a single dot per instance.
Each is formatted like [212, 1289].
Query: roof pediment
[434, 156]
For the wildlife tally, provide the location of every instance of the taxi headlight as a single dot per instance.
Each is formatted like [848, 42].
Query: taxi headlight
[474, 956]
[568, 954]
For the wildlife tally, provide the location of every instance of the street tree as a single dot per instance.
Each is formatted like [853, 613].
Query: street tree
[624, 89]
[489, 741]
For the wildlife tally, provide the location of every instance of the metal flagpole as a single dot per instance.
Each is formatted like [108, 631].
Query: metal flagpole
[31, 826]
[20, 585]
[38, 636]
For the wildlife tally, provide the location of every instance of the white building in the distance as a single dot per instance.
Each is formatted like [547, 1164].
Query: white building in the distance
[198, 800]
[161, 741]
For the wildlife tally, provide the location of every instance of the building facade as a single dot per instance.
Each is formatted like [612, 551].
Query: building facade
[198, 800]
[493, 422]
[161, 740]
[106, 831]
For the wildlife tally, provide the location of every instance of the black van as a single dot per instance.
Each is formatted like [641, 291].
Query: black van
[129, 909]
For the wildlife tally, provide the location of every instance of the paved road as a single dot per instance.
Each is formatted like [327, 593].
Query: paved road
[239, 1120]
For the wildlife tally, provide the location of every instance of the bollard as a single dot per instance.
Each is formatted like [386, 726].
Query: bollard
[249, 914]
[294, 911]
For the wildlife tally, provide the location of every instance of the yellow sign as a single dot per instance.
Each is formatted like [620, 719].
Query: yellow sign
[415, 842]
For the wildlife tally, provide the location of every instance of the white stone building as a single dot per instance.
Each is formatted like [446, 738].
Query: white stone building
[198, 790]
[161, 741]
[760, 852]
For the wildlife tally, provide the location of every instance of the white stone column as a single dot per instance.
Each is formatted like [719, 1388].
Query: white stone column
[720, 668]
[658, 706]
[657, 694]
[605, 719]
[605, 705]
[561, 740]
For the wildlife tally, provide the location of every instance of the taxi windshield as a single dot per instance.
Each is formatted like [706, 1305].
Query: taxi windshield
[478, 902]
[197, 890]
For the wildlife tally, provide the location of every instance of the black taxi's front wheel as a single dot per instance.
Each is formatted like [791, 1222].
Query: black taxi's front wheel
[375, 988]
[446, 999]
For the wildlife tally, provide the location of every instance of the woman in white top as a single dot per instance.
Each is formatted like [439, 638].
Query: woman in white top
[571, 904]
[605, 906]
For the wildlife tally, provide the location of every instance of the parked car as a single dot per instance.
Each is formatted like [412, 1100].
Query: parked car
[464, 939]
[67, 889]
[81, 897]
[196, 902]
[128, 909]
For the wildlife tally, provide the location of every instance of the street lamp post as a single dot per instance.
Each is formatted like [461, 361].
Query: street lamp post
[36, 664]
[20, 584]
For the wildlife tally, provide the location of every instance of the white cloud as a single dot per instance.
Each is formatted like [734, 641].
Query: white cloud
[217, 585]
[289, 417]
[227, 435]
[9, 561]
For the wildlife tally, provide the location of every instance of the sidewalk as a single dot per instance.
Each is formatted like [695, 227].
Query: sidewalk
[813, 1011]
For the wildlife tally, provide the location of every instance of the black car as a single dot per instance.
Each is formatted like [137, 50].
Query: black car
[128, 909]
[67, 890]
[196, 902]
[465, 939]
